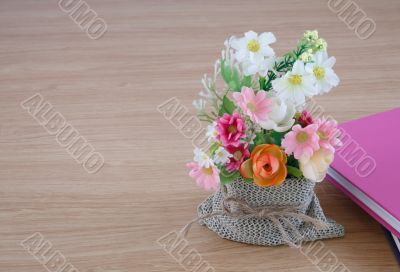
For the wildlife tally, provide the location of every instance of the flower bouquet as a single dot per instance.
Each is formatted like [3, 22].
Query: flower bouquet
[266, 152]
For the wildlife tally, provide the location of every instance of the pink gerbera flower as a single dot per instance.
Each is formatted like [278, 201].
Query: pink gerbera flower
[230, 129]
[256, 106]
[206, 177]
[328, 134]
[239, 154]
[302, 142]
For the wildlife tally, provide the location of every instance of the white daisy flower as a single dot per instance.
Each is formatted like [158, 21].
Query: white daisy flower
[295, 85]
[253, 47]
[261, 67]
[321, 69]
[212, 132]
[222, 156]
[202, 158]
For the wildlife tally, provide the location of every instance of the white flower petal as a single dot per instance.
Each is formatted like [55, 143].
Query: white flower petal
[250, 35]
[332, 78]
[329, 62]
[298, 67]
[267, 38]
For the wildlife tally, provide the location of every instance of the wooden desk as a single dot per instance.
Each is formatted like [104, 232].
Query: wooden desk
[109, 88]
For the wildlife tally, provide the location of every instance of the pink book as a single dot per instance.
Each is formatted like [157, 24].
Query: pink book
[367, 166]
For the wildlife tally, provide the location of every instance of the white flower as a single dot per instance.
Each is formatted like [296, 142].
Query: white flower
[253, 48]
[200, 105]
[281, 116]
[295, 85]
[315, 168]
[222, 156]
[261, 67]
[212, 132]
[202, 158]
[321, 69]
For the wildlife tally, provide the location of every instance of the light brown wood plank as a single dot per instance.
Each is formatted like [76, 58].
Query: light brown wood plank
[109, 88]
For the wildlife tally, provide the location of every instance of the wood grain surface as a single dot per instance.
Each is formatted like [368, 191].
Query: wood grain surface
[109, 89]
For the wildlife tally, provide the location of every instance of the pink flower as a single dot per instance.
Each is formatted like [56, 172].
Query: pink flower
[256, 106]
[305, 119]
[206, 177]
[302, 142]
[230, 129]
[328, 134]
[239, 154]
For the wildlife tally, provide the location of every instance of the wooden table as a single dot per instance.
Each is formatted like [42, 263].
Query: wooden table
[108, 89]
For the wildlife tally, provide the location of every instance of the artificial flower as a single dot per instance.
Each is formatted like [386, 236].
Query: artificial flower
[281, 116]
[202, 158]
[307, 56]
[253, 47]
[222, 156]
[260, 66]
[305, 119]
[266, 166]
[302, 142]
[206, 177]
[315, 167]
[256, 106]
[310, 36]
[321, 69]
[328, 134]
[320, 45]
[212, 132]
[199, 105]
[230, 129]
[239, 154]
[295, 85]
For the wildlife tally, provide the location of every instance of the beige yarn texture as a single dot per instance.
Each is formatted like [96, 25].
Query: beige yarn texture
[272, 227]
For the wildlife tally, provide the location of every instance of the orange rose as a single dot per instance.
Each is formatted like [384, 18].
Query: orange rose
[266, 165]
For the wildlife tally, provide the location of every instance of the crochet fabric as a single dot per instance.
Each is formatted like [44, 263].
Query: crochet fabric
[263, 231]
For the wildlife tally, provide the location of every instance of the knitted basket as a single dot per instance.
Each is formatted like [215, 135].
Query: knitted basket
[291, 210]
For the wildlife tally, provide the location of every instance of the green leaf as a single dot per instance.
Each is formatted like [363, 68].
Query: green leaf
[262, 83]
[246, 81]
[294, 171]
[226, 107]
[277, 137]
[227, 177]
[234, 84]
[226, 71]
[213, 148]
[261, 138]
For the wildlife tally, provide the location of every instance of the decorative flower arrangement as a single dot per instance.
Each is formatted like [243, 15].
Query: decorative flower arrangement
[259, 129]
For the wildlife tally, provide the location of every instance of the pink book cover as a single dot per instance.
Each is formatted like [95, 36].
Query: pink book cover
[367, 166]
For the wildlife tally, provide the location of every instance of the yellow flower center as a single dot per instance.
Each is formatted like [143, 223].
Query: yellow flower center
[319, 72]
[251, 107]
[302, 137]
[237, 155]
[207, 170]
[295, 79]
[253, 46]
[232, 129]
[220, 154]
